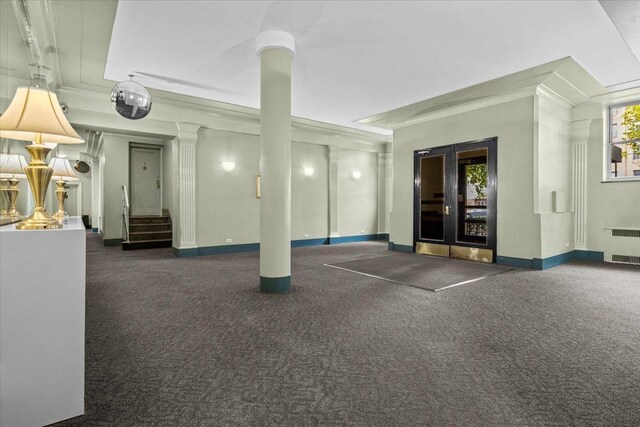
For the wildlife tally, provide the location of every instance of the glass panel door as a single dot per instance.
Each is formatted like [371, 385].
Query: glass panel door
[472, 193]
[432, 197]
[455, 200]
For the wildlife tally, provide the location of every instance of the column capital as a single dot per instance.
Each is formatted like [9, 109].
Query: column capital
[187, 132]
[334, 153]
[275, 40]
[580, 131]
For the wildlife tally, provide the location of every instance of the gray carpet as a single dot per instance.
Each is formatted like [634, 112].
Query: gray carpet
[421, 271]
[192, 342]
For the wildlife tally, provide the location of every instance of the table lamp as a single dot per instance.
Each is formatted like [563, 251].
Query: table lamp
[35, 115]
[12, 169]
[62, 172]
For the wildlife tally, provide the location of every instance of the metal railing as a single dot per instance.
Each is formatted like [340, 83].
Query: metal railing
[125, 213]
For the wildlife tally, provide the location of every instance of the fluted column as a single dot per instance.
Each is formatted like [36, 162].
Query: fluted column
[275, 49]
[385, 177]
[334, 191]
[579, 139]
[187, 138]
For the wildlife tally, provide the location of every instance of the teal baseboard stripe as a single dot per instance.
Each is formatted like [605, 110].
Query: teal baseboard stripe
[275, 285]
[550, 262]
[252, 247]
[229, 249]
[359, 238]
[588, 255]
[309, 242]
[514, 262]
[112, 242]
[94, 230]
[400, 248]
[183, 253]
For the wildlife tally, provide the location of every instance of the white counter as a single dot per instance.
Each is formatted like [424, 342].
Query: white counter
[42, 311]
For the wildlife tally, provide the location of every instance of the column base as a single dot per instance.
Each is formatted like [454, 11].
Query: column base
[275, 285]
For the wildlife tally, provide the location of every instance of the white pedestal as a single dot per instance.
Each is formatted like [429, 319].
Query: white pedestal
[42, 309]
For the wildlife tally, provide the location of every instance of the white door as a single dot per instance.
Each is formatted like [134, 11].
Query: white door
[145, 181]
[71, 204]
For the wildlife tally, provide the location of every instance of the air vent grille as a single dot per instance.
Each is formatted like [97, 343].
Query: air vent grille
[626, 259]
[625, 233]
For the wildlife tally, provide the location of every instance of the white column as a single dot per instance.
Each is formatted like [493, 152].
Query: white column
[579, 138]
[186, 233]
[275, 49]
[385, 177]
[334, 191]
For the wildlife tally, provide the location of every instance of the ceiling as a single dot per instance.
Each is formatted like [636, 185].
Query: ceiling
[355, 58]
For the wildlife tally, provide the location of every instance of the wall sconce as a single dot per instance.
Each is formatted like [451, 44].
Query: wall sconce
[228, 166]
[307, 171]
[355, 175]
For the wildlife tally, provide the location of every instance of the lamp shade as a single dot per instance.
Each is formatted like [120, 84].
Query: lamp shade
[35, 114]
[62, 170]
[12, 166]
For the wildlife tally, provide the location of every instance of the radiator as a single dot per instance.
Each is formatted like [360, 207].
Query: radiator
[622, 244]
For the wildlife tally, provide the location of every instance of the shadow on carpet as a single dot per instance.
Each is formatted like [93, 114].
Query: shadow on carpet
[421, 271]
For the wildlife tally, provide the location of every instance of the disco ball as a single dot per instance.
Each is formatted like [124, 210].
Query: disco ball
[131, 100]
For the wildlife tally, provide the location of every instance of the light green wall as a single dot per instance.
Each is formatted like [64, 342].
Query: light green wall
[228, 209]
[512, 123]
[116, 174]
[552, 159]
[226, 204]
[358, 199]
[309, 195]
[609, 204]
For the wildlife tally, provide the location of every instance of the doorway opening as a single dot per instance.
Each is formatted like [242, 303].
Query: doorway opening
[455, 200]
[145, 180]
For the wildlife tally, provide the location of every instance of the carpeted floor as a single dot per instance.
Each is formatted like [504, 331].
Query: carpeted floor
[420, 271]
[192, 342]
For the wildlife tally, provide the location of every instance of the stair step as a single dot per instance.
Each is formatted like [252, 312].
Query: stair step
[135, 228]
[146, 244]
[141, 220]
[149, 235]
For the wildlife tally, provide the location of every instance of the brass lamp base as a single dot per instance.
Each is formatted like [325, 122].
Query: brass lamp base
[39, 175]
[13, 197]
[39, 220]
[61, 194]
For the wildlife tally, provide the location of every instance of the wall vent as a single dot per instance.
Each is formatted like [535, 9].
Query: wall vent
[626, 259]
[625, 233]
[622, 245]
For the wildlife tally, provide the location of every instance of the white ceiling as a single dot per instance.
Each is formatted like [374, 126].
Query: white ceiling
[359, 58]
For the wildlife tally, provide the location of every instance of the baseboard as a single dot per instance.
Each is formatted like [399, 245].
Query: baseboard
[358, 238]
[111, 242]
[253, 247]
[550, 262]
[400, 248]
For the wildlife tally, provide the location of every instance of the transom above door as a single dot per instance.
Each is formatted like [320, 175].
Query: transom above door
[455, 200]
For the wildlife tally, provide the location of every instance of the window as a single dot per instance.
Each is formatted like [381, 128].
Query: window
[624, 141]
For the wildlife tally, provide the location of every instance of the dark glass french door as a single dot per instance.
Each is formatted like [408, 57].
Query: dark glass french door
[455, 200]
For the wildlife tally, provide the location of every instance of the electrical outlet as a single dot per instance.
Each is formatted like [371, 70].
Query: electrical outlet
[567, 244]
[306, 234]
[361, 231]
[228, 240]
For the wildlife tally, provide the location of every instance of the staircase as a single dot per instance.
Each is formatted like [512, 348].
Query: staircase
[147, 232]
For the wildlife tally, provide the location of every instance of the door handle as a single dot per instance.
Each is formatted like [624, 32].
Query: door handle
[447, 210]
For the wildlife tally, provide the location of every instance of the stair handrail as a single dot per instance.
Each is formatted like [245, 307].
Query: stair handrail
[125, 213]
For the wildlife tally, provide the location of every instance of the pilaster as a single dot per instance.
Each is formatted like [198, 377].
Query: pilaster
[385, 181]
[579, 138]
[334, 208]
[186, 139]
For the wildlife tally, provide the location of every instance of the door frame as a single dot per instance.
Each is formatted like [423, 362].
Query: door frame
[159, 147]
[451, 191]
